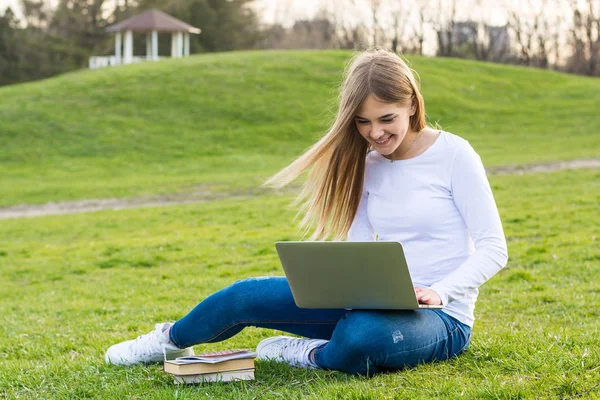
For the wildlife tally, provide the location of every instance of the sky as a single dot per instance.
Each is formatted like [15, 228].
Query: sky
[281, 9]
[12, 3]
[301, 8]
[286, 11]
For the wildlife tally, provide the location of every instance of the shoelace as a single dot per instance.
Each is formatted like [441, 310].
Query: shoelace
[294, 351]
[145, 345]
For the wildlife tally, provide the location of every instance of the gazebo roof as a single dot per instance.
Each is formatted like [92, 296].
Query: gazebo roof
[152, 20]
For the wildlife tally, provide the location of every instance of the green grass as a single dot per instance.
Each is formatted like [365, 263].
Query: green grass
[73, 285]
[224, 122]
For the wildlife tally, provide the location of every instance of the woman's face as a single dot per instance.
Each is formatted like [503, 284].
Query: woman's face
[384, 125]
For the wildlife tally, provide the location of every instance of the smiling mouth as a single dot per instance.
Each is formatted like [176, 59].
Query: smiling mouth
[383, 142]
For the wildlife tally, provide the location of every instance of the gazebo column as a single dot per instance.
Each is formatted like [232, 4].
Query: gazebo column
[154, 45]
[148, 46]
[128, 56]
[174, 44]
[186, 44]
[118, 48]
[179, 44]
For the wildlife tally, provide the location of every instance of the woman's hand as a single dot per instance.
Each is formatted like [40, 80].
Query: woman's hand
[427, 296]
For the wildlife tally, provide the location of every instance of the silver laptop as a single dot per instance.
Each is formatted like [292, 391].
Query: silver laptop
[363, 275]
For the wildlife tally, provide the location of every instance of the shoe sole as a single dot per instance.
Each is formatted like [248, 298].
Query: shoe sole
[187, 352]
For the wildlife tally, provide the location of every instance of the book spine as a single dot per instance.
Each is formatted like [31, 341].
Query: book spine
[217, 377]
[201, 368]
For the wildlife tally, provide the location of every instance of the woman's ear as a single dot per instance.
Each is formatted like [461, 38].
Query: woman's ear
[413, 106]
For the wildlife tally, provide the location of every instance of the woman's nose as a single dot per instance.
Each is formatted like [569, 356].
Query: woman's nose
[377, 131]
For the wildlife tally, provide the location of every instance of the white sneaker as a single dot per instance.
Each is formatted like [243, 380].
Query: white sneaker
[151, 347]
[294, 351]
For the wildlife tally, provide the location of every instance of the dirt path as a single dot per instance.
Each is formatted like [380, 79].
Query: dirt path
[544, 167]
[81, 206]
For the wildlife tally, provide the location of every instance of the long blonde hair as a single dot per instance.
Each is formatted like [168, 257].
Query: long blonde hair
[331, 194]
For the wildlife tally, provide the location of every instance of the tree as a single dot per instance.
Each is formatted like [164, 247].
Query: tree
[400, 15]
[586, 34]
[524, 35]
[375, 5]
[442, 20]
[418, 34]
[32, 52]
[79, 22]
[9, 55]
[316, 33]
[483, 41]
[36, 13]
[226, 25]
[349, 29]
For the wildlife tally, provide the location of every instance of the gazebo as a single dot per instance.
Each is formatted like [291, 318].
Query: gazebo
[150, 22]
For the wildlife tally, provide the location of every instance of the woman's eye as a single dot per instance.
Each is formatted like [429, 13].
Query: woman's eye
[387, 121]
[361, 122]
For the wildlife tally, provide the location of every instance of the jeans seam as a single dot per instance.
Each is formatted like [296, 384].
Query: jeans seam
[467, 342]
[464, 347]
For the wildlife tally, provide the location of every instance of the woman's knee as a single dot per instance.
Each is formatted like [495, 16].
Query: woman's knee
[259, 284]
[251, 293]
[354, 347]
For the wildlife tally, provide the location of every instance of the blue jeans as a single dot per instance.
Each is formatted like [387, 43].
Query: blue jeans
[360, 341]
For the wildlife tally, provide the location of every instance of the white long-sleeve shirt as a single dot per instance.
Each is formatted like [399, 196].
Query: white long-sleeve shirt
[440, 206]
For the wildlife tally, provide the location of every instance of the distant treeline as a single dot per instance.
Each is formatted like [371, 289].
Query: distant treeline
[48, 41]
[51, 41]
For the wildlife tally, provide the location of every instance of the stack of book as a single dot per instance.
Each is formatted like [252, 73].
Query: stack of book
[221, 366]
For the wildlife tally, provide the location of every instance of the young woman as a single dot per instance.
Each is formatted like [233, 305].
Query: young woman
[378, 174]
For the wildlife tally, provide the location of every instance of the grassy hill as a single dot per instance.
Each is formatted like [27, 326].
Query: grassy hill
[226, 121]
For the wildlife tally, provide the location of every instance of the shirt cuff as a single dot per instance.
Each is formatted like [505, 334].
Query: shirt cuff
[439, 289]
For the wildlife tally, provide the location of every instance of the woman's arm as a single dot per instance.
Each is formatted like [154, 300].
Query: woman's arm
[473, 198]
